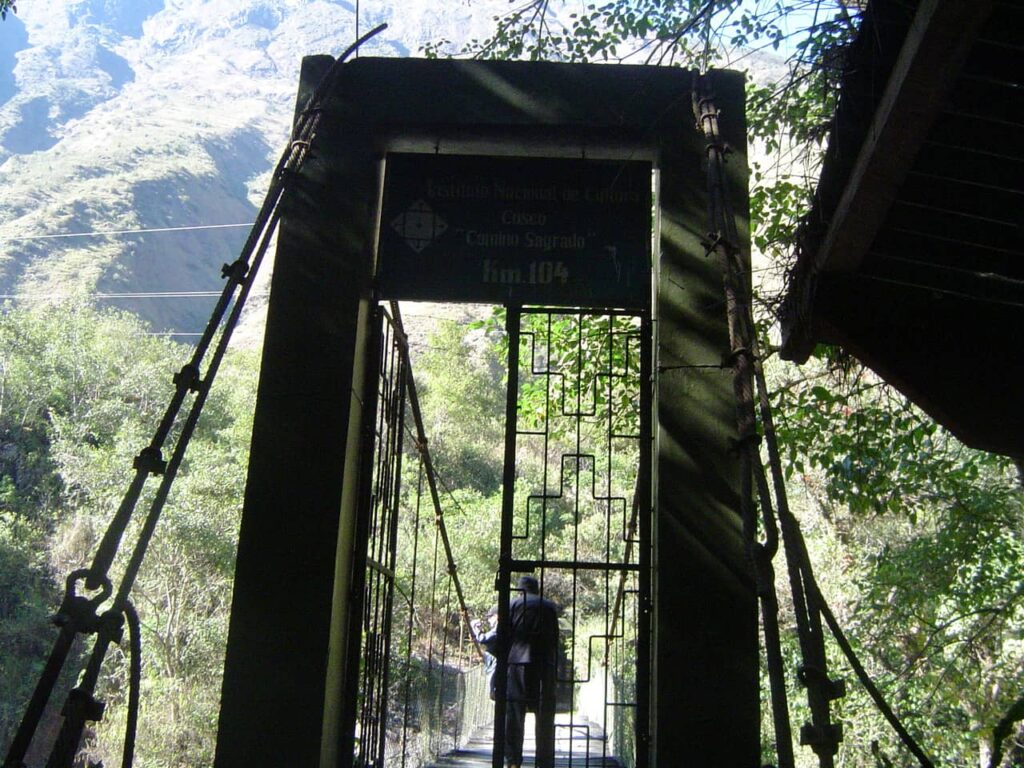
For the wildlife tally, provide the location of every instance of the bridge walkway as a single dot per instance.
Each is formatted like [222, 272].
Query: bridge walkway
[586, 747]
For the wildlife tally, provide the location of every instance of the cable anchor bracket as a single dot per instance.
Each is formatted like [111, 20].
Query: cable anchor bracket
[831, 688]
[151, 460]
[236, 271]
[78, 611]
[187, 378]
[822, 739]
[82, 705]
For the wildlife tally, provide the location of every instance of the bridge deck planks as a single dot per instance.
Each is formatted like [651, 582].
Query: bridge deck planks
[586, 748]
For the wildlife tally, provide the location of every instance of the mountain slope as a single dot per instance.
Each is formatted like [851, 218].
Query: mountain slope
[145, 114]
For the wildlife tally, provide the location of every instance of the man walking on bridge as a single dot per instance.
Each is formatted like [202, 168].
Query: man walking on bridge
[532, 660]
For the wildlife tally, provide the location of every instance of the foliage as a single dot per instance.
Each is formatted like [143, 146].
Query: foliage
[928, 553]
[5, 6]
[80, 392]
[464, 413]
[918, 541]
[26, 595]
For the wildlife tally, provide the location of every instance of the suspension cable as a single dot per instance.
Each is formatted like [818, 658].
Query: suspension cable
[78, 614]
[620, 592]
[412, 612]
[723, 242]
[809, 604]
[428, 465]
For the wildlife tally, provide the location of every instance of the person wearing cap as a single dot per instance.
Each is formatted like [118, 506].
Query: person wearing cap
[532, 678]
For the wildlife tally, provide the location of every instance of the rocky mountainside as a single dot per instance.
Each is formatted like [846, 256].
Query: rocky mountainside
[162, 115]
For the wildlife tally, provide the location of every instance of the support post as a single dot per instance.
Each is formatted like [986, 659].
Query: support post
[278, 676]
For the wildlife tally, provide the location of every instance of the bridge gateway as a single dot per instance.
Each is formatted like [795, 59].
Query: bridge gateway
[546, 189]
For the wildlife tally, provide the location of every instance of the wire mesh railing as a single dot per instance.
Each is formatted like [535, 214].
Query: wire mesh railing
[422, 688]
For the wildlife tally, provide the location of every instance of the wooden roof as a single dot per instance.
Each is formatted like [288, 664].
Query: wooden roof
[912, 256]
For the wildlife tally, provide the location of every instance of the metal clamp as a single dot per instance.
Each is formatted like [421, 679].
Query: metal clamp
[832, 688]
[111, 626]
[730, 358]
[749, 440]
[77, 610]
[821, 738]
[713, 240]
[235, 271]
[82, 705]
[187, 378]
[764, 571]
[150, 460]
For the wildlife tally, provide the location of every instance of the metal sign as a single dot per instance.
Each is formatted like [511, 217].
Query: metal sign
[526, 230]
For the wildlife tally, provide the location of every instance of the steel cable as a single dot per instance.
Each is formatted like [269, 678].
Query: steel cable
[809, 603]
[422, 447]
[723, 239]
[134, 683]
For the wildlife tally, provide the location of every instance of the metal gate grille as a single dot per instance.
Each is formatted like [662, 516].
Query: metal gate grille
[576, 513]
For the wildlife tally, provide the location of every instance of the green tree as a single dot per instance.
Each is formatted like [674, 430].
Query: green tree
[80, 393]
[58, 366]
[788, 114]
[463, 415]
[929, 542]
[464, 412]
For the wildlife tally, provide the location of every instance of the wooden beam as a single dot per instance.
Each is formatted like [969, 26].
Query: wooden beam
[932, 56]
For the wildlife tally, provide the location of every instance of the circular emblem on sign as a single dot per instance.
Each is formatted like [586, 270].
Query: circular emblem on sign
[419, 226]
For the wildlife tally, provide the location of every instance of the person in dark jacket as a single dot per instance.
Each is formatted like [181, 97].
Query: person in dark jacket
[532, 660]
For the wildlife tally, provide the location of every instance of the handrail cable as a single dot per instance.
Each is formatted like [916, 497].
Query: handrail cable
[810, 606]
[428, 465]
[78, 614]
[134, 684]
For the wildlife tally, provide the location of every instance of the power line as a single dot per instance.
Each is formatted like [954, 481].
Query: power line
[99, 232]
[125, 295]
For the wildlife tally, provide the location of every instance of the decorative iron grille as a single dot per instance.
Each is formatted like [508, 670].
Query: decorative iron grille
[577, 514]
